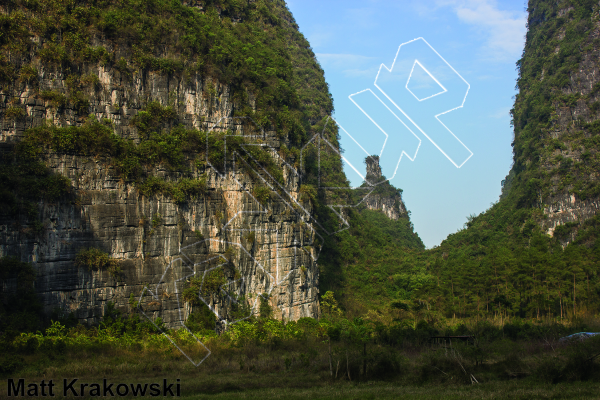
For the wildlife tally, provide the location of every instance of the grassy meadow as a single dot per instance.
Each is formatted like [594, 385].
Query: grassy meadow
[333, 358]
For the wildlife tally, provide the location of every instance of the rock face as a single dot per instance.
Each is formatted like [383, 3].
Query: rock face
[563, 205]
[567, 208]
[556, 155]
[267, 248]
[154, 236]
[385, 197]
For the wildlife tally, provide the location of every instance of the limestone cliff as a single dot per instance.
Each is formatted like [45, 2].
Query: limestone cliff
[246, 221]
[555, 117]
[385, 197]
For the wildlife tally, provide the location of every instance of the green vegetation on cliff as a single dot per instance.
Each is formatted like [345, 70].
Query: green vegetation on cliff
[554, 154]
[254, 47]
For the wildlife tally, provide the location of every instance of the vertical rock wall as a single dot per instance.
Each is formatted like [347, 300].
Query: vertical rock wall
[159, 243]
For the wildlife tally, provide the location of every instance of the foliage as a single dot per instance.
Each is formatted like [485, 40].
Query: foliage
[213, 281]
[56, 98]
[20, 307]
[202, 319]
[309, 193]
[192, 292]
[557, 42]
[254, 48]
[329, 304]
[261, 193]
[28, 74]
[265, 310]
[14, 113]
[96, 260]
[206, 285]
[502, 264]
[172, 148]
[251, 55]
[357, 350]
[366, 258]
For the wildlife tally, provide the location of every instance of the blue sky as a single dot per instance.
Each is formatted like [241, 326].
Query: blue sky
[480, 39]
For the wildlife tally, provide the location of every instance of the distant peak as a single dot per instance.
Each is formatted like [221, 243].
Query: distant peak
[373, 168]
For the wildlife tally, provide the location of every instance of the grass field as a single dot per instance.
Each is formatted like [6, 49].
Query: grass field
[197, 385]
[377, 390]
[258, 361]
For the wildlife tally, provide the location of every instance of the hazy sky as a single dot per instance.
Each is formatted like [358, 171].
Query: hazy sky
[480, 39]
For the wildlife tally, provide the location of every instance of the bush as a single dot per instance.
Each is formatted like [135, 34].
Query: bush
[96, 260]
[10, 364]
[201, 319]
[385, 364]
[262, 194]
[14, 113]
[57, 99]
[28, 74]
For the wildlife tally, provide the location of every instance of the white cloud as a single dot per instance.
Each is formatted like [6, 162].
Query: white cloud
[505, 30]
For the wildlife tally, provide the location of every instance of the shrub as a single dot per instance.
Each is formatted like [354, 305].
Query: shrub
[563, 231]
[308, 193]
[53, 54]
[57, 99]
[201, 318]
[207, 285]
[262, 194]
[80, 103]
[265, 309]
[192, 292]
[251, 237]
[213, 281]
[97, 260]
[14, 113]
[28, 74]
[123, 68]
[91, 80]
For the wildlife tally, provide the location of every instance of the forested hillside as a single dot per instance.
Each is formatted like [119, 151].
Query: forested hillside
[536, 252]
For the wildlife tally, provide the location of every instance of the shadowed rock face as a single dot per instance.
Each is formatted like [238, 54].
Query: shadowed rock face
[385, 197]
[156, 240]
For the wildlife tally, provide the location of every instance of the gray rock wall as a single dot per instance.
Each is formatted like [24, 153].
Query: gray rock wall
[562, 205]
[390, 204]
[156, 240]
